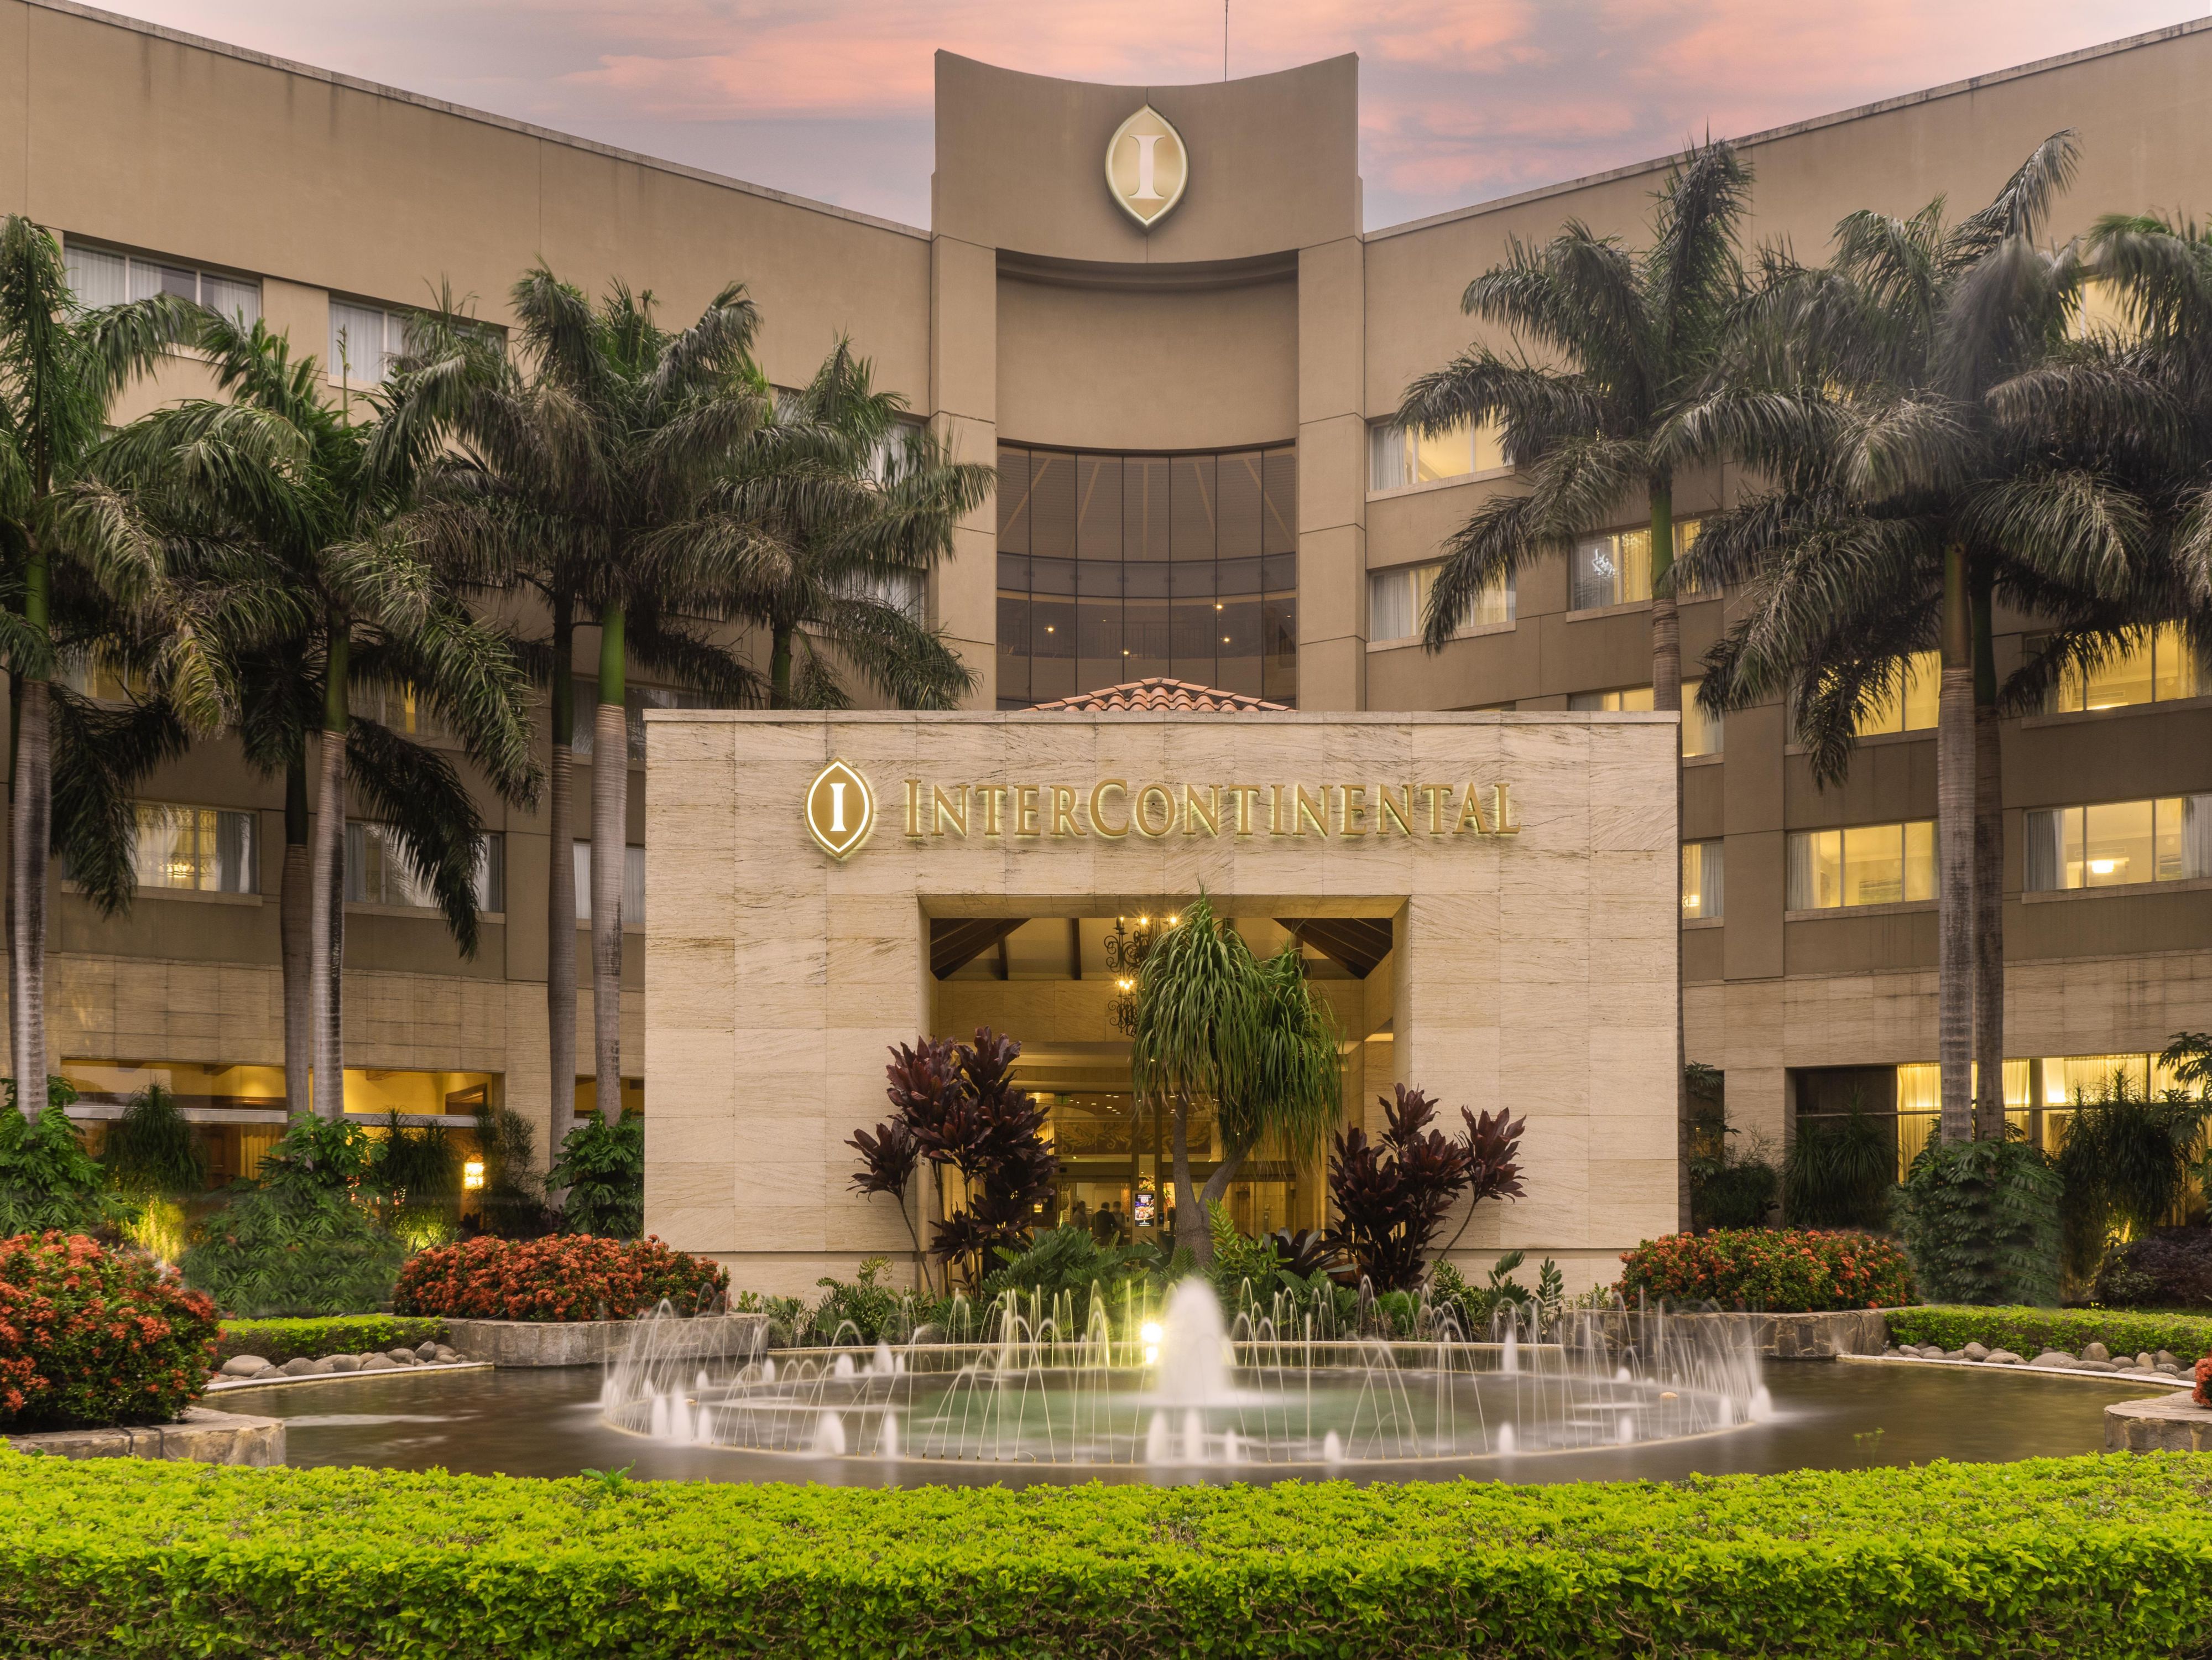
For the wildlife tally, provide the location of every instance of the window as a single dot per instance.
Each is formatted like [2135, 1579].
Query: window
[1397, 457]
[633, 901]
[901, 590]
[380, 872]
[102, 681]
[196, 849]
[1398, 601]
[104, 277]
[1910, 706]
[1702, 883]
[636, 700]
[402, 709]
[1864, 865]
[1701, 733]
[1615, 569]
[2118, 843]
[1115, 568]
[365, 340]
[1630, 700]
[2157, 665]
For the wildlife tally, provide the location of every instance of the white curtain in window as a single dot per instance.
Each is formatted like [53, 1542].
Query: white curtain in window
[1389, 465]
[236, 868]
[97, 276]
[1596, 575]
[356, 342]
[2195, 836]
[227, 296]
[632, 885]
[1390, 605]
[2040, 829]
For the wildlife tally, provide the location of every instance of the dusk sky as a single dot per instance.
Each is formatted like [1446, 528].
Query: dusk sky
[1460, 100]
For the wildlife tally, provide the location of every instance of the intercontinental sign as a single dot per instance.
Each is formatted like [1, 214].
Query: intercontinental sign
[840, 810]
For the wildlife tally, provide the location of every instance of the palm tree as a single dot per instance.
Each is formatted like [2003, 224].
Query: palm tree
[853, 501]
[1935, 440]
[1214, 1024]
[61, 368]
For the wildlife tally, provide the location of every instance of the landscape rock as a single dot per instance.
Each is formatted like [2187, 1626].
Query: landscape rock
[1954, 1355]
[2167, 1368]
[326, 1365]
[345, 1363]
[2053, 1358]
[2144, 1362]
[297, 1368]
[379, 1363]
[426, 1351]
[2096, 1351]
[2165, 1357]
[244, 1366]
[2094, 1365]
[445, 1354]
[400, 1357]
[1975, 1352]
[2004, 1358]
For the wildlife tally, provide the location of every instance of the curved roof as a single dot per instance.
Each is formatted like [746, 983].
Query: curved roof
[1158, 692]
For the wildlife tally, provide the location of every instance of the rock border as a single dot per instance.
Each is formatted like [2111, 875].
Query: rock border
[2016, 1369]
[202, 1436]
[279, 1380]
[593, 1342]
[1825, 1335]
[2168, 1423]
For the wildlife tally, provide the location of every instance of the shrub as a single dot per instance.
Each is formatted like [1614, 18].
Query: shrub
[1731, 1185]
[874, 1311]
[566, 1277]
[1779, 1271]
[152, 1150]
[1393, 1194]
[1243, 1269]
[511, 1203]
[47, 1180]
[2125, 1163]
[418, 1183]
[90, 1337]
[1841, 1172]
[1067, 1260]
[603, 1167]
[2072, 1558]
[2027, 1332]
[1475, 1308]
[2172, 1268]
[279, 1341]
[960, 1105]
[1980, 1221]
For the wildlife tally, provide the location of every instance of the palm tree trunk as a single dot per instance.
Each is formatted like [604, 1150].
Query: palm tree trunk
[1988, 884]
[30, 835]
[1190, 1220]
[561, 887]
[1954, 851]
[326, 936]
[610, 840]
[779, 669]
[296, 930]
[1667, 694]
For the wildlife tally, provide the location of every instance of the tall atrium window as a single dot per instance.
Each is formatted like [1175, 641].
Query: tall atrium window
[107, 277]
[1702, 883]
[1862, 865]
[197, 849]
[1397, 457]
[1909, 706]
[379, 871]
[1615, 569]
[1398, 602]
[2157, 665]
[2115, 844]
[1114, 567]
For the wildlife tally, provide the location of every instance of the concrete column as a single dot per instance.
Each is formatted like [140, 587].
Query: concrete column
[1332, 477]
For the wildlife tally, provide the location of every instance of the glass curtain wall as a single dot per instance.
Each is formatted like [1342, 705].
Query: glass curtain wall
[1115, 568]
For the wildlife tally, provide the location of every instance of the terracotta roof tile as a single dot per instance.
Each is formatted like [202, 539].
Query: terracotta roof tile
[1158, 692]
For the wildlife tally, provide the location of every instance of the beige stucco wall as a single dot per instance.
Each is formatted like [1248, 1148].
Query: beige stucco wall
[1534, 970]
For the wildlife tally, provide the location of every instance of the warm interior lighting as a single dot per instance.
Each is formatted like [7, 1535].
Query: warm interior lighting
[472, 1173]
[2105, 866]
[1173, 920]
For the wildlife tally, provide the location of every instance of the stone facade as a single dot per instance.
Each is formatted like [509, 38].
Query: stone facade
[2166, 1423]
[590, 1343]
[1534, 969]
[202, 1436]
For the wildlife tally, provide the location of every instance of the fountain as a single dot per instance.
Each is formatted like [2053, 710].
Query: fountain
[1190, 1391]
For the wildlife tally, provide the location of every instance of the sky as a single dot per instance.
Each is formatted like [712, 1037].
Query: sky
[1460, 100]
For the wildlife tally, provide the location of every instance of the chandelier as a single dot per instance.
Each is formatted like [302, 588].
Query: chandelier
[1126, 951]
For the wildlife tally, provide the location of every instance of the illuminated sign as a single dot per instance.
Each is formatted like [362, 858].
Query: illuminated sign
[840, 810]
[1147, 165]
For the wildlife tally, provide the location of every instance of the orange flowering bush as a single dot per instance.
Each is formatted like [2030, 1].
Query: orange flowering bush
[570, 1276]
[90, 1337]
[1778, 1270]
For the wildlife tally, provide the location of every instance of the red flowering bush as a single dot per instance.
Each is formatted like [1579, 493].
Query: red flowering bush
[2203, 1380]
[570, 1276]
[90, 1337]
[1778, 1270]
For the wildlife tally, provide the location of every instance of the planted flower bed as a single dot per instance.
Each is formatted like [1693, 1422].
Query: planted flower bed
[567, 1278]
[1778, 1270]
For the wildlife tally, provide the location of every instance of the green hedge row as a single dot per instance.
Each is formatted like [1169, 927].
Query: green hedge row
[279, 1341]
[2081, 1558]
[2028, 1331]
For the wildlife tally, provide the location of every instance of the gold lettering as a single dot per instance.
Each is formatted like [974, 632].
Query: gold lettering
[1137, 816]
[1439, 795]
[1386, 810]
[945, 807]
[1503, 823]
[914, 806]
[1063, 812]
[1470, 814]
[1195, 814]
[1025, 809]
[1312, 811]
[1241, 796]
[1352, 809]
[990, 798]
[1099, 795]
[1278, 820]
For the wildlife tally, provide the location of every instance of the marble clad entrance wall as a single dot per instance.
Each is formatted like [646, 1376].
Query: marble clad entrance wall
[1534, 967]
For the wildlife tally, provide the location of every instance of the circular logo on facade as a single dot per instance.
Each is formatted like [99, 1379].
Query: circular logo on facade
[1147, 166]
[841, 809]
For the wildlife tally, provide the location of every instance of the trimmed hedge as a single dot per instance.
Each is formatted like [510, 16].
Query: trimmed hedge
[2079, 1558]
[279, 1341]
[2028, 1331]
[1775, 1270]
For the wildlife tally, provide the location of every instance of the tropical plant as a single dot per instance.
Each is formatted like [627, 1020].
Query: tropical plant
[1391, 1194]
[1474, 1310]
[2168, 1269]
[602, 1165]
[1841, 1171]
[47, 1180]
[874, 1311]
[90, 1337]
[888, 1160]
[511, 1204]
[1731, 1186]
[959, 1103]
[1980, 1220]
[1242, 1269]
[417, 1182]
[151, 1149]
[2124, 1165]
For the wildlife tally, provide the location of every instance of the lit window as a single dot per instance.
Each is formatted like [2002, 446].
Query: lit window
[402, 709]
[1909, 706]
[2114, 845]
[2155, 666]
[1702, 883]
[632, 902]
[635, 701]
[1398, 602]
[102, 681]
[1702, 734]
[104, 277]
[1862, 865]
[196, 849]
[1398, 457]
[379, 870]
[1615, 569]
[1629, 700]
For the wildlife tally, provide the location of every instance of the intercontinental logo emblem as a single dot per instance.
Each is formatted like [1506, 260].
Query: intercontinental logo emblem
[1147, 165]
[840, 810]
